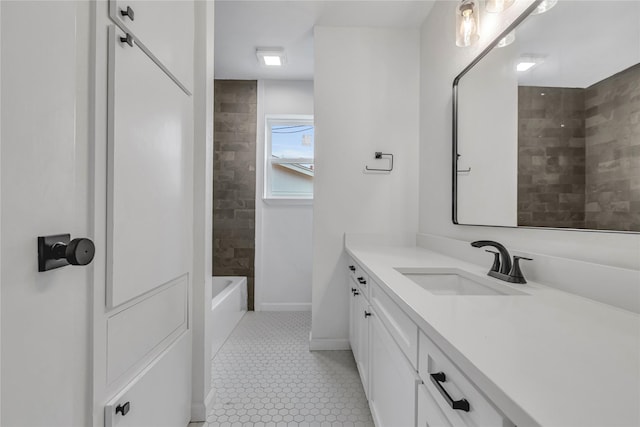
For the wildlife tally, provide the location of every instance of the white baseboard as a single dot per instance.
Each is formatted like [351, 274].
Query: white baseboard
[284, 306]
[200, 410]
[328, 344]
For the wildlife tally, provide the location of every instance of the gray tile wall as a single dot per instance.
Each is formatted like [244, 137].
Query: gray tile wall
[613, 152]
[234, 180]
[551, 157]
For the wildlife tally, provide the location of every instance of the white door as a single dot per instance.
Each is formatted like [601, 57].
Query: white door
[45, 190]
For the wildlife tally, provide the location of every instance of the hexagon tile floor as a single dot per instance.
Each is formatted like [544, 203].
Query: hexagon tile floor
[265, 376]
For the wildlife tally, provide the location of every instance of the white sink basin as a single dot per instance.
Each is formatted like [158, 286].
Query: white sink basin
[456, 282]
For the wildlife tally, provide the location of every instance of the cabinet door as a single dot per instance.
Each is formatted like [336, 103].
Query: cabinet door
[164, 28]
[150, 180]
[362, 324]
[429, 413]
[392, 393]
[353, 325]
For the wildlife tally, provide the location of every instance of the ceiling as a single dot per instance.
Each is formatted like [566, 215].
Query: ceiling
[582, 42]
[241, 26]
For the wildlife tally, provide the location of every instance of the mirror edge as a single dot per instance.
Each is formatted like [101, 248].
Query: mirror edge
[456, 81]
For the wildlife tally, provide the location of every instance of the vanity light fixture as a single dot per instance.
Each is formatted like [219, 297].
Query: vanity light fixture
[271, 56]
[497, 6]
[544, 6]
[467, 23]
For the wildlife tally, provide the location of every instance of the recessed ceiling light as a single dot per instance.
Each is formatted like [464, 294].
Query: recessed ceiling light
[271, 57]
[524, 66]
[527, 62]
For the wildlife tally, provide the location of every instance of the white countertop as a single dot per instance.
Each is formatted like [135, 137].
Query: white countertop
[549, 358]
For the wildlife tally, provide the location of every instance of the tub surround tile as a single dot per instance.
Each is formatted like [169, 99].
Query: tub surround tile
[234, 177]
[587, 139]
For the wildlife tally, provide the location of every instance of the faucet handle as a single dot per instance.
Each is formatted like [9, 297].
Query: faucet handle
[516, 274]
[496, 260]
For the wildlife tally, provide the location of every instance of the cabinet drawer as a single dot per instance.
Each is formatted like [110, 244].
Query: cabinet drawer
[359, 277]
[429, 413]
[160, 396]
[481, 411]
[401, 327]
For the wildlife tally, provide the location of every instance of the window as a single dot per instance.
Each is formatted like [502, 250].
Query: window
[289, 157]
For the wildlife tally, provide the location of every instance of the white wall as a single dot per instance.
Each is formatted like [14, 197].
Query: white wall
[283, 229]
[366, 100]
[488, 194]
[441, 61]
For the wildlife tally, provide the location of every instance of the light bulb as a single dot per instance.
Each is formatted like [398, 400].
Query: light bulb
[507, 40]
[467, 24]
[497, 6]
[544, 6]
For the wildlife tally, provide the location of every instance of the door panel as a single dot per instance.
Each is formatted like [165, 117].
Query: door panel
[159, 396]
[45, 316]
[165, 28]
[134, 332]
[149, 186]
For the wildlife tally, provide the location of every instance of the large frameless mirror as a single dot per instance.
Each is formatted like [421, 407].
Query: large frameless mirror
[547, 122]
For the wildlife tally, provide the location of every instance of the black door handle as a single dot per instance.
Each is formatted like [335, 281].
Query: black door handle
[59, 250]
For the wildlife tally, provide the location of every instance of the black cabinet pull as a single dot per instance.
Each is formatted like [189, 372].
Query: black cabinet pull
[438, 378]
[366, 314]
[356, 293]
[123, 408]
[353, 290]
[128, 40]
[362, 281]
[128, 13]
[352, 268]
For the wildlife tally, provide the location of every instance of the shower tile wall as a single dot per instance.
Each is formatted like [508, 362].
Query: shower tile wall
[613, 152]
[234, 180]
[551, 157]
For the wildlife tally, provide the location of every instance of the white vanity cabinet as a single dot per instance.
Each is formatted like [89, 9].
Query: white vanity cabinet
[359, 320]
[165, 31]
[408, 380]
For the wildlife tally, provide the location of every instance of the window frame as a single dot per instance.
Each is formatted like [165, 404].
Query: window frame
[284, 119]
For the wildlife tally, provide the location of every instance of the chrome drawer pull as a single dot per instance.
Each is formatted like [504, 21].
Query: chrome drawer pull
[460, 405]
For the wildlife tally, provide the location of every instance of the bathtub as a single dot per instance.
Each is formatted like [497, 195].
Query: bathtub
[228, 305]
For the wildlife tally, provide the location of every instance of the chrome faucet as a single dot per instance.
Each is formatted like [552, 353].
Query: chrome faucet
[502, 267]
